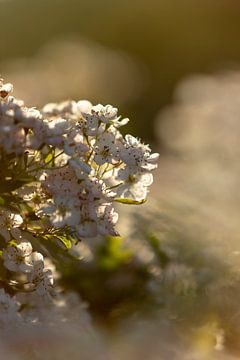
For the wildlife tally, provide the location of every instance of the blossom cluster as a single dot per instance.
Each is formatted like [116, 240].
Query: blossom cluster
[19, 257]
[64, 168]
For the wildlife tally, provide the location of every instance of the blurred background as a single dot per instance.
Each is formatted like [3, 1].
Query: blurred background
[173, 68]
[132, 53]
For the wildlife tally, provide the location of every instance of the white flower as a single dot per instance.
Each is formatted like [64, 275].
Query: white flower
[49, 132]
[36, 139]
[62, 108]
[50, 109]
[120, 122]
[16, 258]
[151, 162]
[5, 89]
[63, 212]
[12, 138]
[108, 218]
[81, 167]
[28, 117]
[98, 116]
[15, 118]
[74, 144]
[105, 148]
[37, 262]
[105, 113]
[43, 283]
[57, 127]
[134, 185]
[62, 182]
[41, 278]
[16, 220]
[92, 125]
[9, 221]
[84, 106]
[134, 153]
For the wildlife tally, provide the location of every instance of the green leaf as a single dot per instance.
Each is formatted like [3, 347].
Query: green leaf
[48, 158]
[64, 240]
[130, 201]
[73, 239]
[47, 245]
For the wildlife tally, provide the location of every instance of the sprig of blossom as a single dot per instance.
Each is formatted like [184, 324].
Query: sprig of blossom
[64, 167]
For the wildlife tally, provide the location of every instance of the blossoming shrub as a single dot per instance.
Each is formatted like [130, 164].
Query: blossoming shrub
[63, 169]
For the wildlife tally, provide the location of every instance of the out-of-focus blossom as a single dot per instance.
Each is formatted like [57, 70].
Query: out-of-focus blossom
[16, 258]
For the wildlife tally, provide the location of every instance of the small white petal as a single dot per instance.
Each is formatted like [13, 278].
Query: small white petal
[84, 106]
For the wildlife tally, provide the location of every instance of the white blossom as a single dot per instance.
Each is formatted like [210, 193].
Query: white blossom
[133, 185]
[74, 144]
[106, 149]
[84, 106]
[73, 163]
[105, 113]
[107, 220]
[5, 89]
[43, 282]
[16, 258]
[65, 211]
[9, 221]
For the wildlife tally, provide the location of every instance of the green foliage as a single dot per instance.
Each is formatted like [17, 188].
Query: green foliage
[160, 254]
[48, 245]
[111, 254]
[63, 239]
